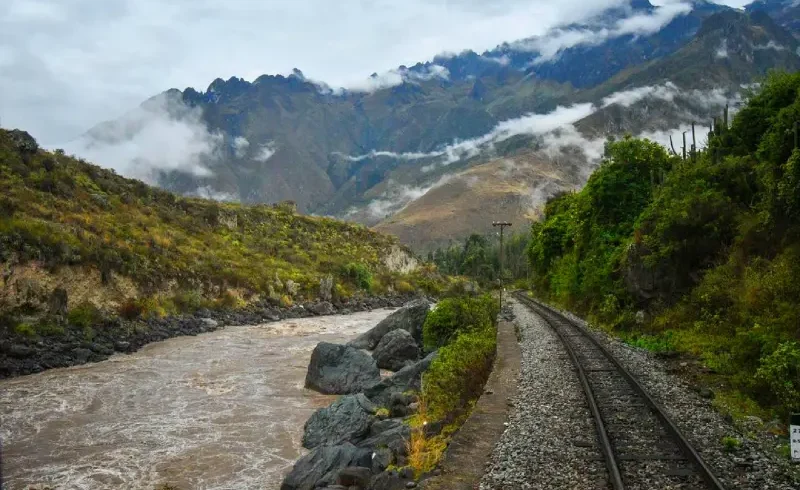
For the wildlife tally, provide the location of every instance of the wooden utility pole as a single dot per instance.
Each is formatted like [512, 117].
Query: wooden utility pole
[694, 145]
[502, 225]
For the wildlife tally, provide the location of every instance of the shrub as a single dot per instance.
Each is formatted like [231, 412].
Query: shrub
[189, 301]
[455, 315]
[403, 287]
[359, 274]
[456, 377]
[230, 301]
[731, 444]
[130, 309]
[781, 372]
[84, 315]
[25, 329]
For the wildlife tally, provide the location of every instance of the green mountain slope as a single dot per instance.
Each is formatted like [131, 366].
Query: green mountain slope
[117, 243]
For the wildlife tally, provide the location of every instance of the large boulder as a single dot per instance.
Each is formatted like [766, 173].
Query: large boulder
[392, 434]
[321, 466]
[408, 378]
[348, 419]
[396, 350]
[340, 370]
[410, 318]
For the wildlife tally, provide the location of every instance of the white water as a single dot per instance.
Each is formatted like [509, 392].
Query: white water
[223, 410]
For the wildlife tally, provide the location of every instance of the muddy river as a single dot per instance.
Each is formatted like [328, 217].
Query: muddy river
[223, 410]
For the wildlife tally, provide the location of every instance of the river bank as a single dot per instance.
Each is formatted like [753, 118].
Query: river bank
[219, 410]
[22, 354]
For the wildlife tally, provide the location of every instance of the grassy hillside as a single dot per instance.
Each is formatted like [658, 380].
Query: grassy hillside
[695, 256]
[121, 245]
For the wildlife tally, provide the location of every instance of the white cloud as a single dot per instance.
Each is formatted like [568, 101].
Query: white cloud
[627, 98]
[209, 193]
[240, 146]
[393, 78]
[722, 51]
[397, 197]
[770, 45]
[550, 45]
[530, 124]
[151, 139]
[266, 152]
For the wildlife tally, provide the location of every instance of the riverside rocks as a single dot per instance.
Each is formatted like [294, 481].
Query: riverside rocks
[347, 419]
[396, 350]
[352, 420]
[410, 318]
[321, 466]
[22, 354]
[340, 370]
[408, 378]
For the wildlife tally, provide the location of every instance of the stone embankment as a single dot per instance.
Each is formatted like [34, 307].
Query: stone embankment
[20, 354]
[354, 441]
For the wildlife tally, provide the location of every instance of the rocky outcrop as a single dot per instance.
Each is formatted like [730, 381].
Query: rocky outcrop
[340, 370]
[410, 318]
[408, 378]
[396, 350]
[321, 466]
[347, 419]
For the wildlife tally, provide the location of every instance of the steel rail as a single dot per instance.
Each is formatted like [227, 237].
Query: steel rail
[683, 443]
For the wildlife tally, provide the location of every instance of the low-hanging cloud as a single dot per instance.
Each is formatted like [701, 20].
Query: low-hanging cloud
[240, 146]
[530, 124]
[554, 42]
[722, 50]
[391, 78]
[266, 152]
[398, 197]
[162, 135]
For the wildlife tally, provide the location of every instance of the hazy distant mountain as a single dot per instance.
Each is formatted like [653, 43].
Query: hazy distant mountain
[408, 144]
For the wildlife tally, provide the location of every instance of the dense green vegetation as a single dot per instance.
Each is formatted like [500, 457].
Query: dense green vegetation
[178, 253]
[464, 330]
[701, 255]
[479, 258]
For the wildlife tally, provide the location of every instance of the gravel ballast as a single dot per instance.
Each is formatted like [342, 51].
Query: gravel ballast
[751, 467]
[550, 441]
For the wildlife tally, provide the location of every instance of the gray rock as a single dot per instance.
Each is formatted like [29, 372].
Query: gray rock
[408, 378]
[209, 323]
[348, 419]
[396, 350]
[23, 141]
[57, 304]
[320, 467]
[19, 351]
[394, 438]
[341, 370]
[410, 318]
[388, 480]
[326, 288]
[382, 457]
[354, 476]
[322, 308]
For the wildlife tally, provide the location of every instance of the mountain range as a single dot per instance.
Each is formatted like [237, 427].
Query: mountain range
[436, 151]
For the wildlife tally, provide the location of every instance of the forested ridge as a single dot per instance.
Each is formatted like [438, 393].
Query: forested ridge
[699, 255]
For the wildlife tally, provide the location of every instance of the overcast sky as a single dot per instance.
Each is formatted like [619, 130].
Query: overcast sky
[66, 65]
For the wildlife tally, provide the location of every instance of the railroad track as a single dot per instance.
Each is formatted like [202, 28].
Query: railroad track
[641, 445]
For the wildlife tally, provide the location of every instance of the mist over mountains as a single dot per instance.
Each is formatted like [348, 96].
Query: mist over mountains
[505, 129]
